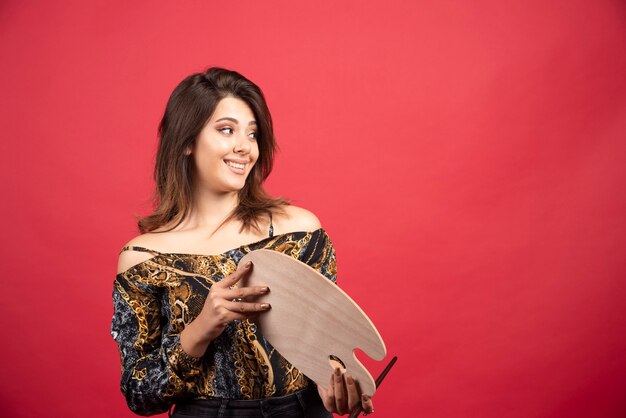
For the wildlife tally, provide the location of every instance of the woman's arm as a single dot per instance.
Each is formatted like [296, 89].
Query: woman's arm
[154, 364]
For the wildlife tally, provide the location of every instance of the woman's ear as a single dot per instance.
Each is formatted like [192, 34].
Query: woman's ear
[188, 151]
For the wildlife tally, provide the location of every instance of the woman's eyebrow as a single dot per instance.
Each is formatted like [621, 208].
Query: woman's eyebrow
[252, 122]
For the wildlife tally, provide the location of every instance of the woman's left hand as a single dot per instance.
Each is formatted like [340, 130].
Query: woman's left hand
[343, 395]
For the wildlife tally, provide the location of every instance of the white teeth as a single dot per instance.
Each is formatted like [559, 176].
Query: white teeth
[235, 165]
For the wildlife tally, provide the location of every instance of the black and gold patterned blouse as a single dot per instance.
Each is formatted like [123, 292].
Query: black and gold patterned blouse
[154, 301]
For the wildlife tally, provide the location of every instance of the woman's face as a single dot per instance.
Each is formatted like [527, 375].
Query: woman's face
[226, 148]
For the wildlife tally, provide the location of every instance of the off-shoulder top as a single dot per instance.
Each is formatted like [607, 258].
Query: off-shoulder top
[154, 301]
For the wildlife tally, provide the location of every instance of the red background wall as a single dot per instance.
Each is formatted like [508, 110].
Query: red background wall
[467, 159]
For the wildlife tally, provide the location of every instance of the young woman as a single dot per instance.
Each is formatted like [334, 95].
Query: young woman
[184, 330]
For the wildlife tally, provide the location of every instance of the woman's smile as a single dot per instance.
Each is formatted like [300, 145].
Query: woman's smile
[236, 166]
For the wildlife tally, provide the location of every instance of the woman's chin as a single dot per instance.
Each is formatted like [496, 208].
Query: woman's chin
[229, 185]
[234, 187]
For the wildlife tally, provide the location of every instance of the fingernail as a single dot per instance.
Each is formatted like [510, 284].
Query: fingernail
[350, 380]
[265, 306]
[265, 289]
[248, 264]
[337, 371]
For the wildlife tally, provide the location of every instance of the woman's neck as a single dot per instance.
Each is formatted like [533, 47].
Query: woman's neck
[210, 210]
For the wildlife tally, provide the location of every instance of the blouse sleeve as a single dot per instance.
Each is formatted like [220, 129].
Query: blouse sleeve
[154, 365]
[319, 253]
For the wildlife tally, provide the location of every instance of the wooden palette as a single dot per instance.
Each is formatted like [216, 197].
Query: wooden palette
[312, 323]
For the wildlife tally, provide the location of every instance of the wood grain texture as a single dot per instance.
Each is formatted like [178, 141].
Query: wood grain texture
[312, 319]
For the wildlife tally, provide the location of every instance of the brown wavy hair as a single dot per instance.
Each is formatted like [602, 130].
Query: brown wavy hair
[188, 109]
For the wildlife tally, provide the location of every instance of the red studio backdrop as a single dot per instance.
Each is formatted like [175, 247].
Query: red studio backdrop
[466, 158]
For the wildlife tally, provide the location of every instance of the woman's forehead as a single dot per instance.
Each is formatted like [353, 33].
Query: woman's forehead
[233, 108]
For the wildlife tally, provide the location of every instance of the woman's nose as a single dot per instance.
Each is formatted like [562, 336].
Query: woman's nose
[242, 144]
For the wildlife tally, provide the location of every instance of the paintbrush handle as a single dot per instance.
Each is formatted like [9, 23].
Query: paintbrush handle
[379, 380]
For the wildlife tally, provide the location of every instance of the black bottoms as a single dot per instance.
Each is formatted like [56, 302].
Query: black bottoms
[303, 404]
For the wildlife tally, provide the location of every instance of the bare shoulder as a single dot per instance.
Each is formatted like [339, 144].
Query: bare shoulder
[130, 258]
[295, 219]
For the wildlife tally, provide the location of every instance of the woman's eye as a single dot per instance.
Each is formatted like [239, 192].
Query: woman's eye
[226, 130]
[254, 135]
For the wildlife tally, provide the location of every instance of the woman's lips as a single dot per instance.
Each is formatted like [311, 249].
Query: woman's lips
[235, 167]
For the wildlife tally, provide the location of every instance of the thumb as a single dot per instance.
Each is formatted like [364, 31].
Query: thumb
[236, 276]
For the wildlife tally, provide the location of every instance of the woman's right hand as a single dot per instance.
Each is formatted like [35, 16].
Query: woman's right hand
[222, 305]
